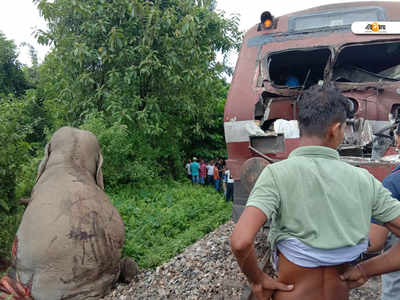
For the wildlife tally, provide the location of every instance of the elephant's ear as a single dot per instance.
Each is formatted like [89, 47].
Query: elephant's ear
[43, 163]
[99, 173]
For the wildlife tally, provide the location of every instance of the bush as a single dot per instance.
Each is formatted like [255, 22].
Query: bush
[14, 151]
[9, 224]
[27, 175]
[161, 220]
[125, 161]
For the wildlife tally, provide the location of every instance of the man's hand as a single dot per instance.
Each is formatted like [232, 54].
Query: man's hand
[354, 277]
[13, 289]
[242, 239]
[267, 286]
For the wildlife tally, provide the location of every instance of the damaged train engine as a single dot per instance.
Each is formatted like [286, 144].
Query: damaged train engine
[280, 57]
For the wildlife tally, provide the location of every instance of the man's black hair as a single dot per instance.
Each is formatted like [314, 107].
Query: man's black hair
[319, 107]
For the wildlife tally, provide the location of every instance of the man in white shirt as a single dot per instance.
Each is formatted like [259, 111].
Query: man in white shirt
[188, 171]
[229, 185]
[210, 172]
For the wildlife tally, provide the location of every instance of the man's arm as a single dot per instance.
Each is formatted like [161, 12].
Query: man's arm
[377, 237]
[387, 262]
[242, 240]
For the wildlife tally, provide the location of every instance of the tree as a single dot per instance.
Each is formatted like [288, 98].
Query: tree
[19, 122]
[31, 73]
[12, 80]
[14, 126]
[212, 130]
[14, 150]
[147, 65]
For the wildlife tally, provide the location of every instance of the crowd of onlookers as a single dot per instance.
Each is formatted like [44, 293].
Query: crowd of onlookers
[213, 172]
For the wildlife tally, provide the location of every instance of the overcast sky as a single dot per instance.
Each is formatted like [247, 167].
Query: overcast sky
[20, 18]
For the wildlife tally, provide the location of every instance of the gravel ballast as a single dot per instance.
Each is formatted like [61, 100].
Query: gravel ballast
[207, 270]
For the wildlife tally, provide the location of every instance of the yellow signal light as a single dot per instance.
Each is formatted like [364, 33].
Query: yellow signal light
[267, 20]
[268, 23]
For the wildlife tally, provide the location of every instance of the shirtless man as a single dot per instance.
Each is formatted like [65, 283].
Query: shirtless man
[320, 210]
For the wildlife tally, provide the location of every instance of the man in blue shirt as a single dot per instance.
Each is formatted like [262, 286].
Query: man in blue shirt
[194, 168]
[392, 182]
[391, 281]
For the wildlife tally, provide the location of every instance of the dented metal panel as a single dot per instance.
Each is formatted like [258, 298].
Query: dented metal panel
[268, 144]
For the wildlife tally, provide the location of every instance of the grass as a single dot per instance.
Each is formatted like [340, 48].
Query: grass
[161, 220]
[9, 224]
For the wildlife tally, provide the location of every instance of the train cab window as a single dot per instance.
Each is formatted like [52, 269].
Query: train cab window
[289, 69]
[368, 63]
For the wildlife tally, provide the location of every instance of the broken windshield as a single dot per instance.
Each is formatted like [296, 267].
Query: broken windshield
[368, 63]
[291, 68]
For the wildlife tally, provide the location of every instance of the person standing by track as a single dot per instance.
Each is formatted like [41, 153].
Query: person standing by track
[203, 172]
[216, 177]
[210, 173]
[229, 185]
[194, 169]
[188, 172]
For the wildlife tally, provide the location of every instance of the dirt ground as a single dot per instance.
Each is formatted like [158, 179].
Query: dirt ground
[370, 291]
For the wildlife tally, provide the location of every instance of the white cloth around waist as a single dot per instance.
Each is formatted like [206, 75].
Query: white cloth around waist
[305, 256]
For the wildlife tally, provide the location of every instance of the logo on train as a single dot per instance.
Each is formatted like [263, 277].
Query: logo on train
[375, 27]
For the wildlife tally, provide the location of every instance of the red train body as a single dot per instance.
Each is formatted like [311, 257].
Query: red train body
[314, 46]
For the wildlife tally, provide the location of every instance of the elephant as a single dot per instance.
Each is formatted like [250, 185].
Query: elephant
[68, 245]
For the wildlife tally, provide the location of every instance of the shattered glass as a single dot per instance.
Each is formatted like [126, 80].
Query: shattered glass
[356, 74]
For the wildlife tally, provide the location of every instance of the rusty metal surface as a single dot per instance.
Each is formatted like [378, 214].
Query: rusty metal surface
[266, 157]
[268, 144]
[250, 171]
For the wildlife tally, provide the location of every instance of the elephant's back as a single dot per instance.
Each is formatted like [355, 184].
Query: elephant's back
[71, 231]
[68, 201]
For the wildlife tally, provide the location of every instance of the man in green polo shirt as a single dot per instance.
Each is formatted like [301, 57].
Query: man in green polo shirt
[320, 210]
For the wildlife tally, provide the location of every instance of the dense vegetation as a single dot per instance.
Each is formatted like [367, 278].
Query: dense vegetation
[144, 77]
[163, 219]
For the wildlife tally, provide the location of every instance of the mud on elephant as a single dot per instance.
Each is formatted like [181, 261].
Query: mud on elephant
[68, 245]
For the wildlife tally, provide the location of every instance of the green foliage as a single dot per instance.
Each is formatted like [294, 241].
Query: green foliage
[122, 162]
[14, 153]
[32, 121]
[9, 224]
[31, 73]
[147, 67]
[14, 150]
[211, 143]
[161, 220]
[37, 117]
[27, 175]
[18, 121]
[12, 80]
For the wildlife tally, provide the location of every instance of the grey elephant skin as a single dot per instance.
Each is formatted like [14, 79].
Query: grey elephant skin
[68, 245]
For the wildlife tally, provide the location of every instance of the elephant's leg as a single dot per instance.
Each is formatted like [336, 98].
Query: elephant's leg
[10, 287]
